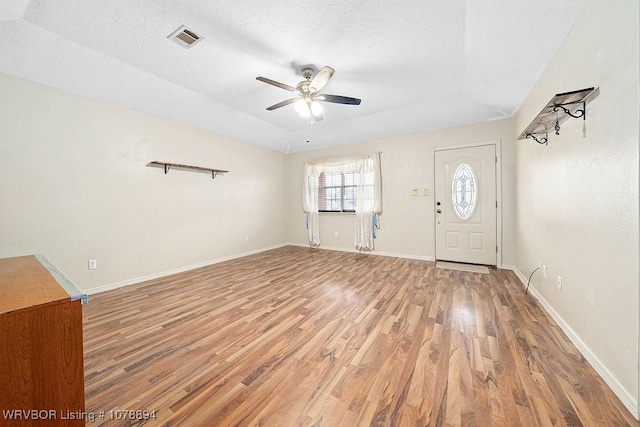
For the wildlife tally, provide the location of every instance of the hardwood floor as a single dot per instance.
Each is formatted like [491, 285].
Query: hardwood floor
[296, 336]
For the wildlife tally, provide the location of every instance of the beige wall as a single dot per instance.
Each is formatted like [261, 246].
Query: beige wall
[577, 198]
[74, 187]
[407, 227]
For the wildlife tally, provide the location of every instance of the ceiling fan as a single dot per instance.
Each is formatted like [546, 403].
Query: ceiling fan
[306, 103]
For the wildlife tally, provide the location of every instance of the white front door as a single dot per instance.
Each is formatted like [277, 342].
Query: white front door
[466, 205]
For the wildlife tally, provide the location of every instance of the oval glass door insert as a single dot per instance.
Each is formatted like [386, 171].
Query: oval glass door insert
[463, 191]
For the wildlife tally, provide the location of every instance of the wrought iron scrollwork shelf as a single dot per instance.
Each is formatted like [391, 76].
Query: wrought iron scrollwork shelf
[168, 165]
[562, 105]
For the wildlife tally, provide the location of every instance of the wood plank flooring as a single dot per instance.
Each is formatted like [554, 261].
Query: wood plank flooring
[298, 336]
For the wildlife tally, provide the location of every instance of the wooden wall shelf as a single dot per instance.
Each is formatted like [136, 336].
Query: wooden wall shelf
[169, 165]
[562, 106]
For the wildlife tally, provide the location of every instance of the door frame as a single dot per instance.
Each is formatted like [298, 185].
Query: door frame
[498, 149]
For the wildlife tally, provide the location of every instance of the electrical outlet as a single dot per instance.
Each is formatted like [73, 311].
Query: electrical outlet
[92, 264]
[246, 238]
[335, 234]
[559, 283]
[544, 270]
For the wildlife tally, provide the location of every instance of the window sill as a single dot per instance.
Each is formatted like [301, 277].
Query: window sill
[333, 213]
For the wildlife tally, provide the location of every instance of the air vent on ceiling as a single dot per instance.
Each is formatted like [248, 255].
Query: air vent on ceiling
[184, 37]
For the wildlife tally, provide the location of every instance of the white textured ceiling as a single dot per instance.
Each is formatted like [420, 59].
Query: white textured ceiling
[417, 64]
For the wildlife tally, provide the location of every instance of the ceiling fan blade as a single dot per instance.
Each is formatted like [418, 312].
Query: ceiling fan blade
[282, 104]
[339, 99]
[321, 79]
[277, 84]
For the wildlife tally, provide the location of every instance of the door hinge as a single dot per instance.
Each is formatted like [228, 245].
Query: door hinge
[496, 203]
[496, 160]
[496, 249]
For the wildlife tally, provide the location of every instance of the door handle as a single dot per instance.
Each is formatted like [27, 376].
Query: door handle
[439, 210]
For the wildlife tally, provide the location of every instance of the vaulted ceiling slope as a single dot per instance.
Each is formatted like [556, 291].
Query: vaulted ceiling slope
[417, 65]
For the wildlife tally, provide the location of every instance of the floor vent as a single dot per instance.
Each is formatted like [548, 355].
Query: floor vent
[184, 37]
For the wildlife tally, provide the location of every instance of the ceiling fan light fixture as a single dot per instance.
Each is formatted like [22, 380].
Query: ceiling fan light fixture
[302, 108]
[316, 108]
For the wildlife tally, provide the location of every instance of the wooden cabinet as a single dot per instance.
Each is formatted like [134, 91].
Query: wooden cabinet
[41, 355]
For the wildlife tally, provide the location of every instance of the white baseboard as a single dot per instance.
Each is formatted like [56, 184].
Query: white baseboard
[389, 254]
[509, 267]
[623, 394]
[111, 286]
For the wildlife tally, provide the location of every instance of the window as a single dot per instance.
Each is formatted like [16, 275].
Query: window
[337, 192]
[343, 185]
[463, 191]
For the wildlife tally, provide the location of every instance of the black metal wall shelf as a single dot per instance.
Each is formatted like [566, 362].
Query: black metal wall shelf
[169, 165]
[561, 107]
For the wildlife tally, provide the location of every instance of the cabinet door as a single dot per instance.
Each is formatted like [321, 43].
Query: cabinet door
[41, 363]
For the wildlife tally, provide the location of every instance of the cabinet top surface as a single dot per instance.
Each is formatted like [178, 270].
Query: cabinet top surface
[25, 282]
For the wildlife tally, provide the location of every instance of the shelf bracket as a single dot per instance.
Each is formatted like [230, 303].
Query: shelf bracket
[579, 113]
[542, 140]
[213, 174]
[166, 168]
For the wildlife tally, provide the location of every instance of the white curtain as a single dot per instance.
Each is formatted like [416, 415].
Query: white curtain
[368, 201]
[310, 201]
[368, 195]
